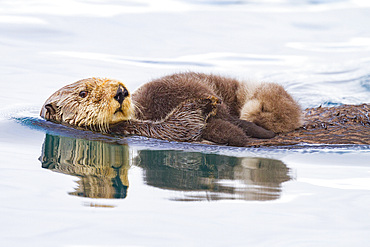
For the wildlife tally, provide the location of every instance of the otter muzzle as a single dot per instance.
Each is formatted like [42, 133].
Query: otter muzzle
[121, 94]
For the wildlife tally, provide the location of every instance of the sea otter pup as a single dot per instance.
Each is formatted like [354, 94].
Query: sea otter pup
[266, 104]
[231, 111]
[246, 109]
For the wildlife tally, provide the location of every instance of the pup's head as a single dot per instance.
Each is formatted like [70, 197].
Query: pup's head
[273, 108]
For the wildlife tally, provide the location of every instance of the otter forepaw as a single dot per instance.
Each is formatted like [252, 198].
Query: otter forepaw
[214, 99]
[205, 107]
[209, 105]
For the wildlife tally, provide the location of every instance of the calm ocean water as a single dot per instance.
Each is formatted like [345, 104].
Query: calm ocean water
[62, 187]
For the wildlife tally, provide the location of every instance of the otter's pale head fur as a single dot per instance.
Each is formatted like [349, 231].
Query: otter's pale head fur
[92, 103]
[271, 107]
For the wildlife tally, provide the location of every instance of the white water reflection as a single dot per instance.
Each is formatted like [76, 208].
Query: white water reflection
[229, 60]
[357, 44]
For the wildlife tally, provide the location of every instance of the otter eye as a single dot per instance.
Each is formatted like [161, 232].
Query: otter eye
[83, 94]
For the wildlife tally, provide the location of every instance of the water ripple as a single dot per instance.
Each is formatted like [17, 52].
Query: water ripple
[365, 82]
[215, 59]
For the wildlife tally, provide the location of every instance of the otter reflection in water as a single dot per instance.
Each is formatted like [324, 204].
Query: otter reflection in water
[101, 167]
[103, 171]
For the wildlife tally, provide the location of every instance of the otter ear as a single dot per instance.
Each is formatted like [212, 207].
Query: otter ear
[49, 112]
[50, 109]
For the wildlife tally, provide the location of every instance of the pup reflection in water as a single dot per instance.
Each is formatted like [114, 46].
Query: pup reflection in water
[103, 171]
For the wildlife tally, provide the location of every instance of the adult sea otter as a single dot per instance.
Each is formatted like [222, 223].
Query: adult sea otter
[196, 107]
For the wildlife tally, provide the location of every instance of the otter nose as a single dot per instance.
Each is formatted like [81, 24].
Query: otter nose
[121, 94]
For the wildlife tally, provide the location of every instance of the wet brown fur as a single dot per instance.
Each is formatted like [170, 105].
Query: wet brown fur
[345, 124]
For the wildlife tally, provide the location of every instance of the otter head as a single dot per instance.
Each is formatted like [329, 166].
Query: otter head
[272, 108]
[92, 103]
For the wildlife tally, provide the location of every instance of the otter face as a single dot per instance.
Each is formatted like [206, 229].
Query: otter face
[92, 103]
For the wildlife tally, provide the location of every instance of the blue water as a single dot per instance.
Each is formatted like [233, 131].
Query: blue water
[64, 187]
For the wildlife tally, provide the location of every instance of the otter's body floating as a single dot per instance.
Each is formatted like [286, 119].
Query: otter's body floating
[345, 124]
[189, 107]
